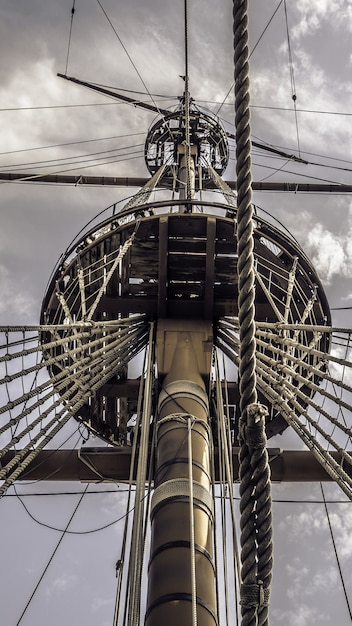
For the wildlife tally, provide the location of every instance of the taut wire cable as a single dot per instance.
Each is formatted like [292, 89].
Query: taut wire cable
[70, 34]
[254, 47]
[335, 552]
[292, 77]
[52, 556]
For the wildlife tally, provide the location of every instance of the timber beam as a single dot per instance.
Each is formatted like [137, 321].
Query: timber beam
[113, 464]
[167, 182]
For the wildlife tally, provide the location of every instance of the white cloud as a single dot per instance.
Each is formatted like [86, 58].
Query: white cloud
[319, 65]
[113, 504]
[98, 603]
[331, 253]
[323, 581]
[303, 615]
[22, 92]
[60, 584]
[315, 12]
[303, 523]
[315, 89]
[347, 297]
[341, 522]
[12, 299]
[340, 371]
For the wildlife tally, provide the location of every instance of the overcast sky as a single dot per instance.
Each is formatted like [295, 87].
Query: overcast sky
[39, 221]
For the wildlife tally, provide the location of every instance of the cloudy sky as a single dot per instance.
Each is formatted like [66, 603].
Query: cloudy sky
[52, 126]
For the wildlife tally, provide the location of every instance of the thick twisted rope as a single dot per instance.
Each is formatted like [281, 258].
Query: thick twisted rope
[255, 500]
[245, 226]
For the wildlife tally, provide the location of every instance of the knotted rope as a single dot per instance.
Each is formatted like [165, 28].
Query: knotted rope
[255, 498]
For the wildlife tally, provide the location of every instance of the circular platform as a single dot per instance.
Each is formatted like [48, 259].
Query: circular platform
[160, 264]
[208, 139]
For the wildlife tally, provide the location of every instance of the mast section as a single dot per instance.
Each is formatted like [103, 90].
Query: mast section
[181, 577]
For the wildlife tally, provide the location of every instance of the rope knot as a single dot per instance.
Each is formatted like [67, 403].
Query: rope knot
[252, 426]
[256, 412]
[254, 595]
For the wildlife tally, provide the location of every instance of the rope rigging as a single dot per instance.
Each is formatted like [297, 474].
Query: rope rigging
[282, 354]
[290, 362]
[140, 514]
[255, 504]
[72, 366]
[300, 394]
[76, 382]
[82, 159]
[230, 557]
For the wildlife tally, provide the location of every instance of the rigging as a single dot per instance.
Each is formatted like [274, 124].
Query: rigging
[158, 259]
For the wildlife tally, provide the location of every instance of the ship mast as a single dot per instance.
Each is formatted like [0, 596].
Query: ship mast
[181, 583]
[164, 277]
[181, 580]
[187, 160]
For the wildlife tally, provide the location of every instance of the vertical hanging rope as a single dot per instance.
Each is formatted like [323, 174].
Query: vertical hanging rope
[255, 500]
[137, 540]
[191, 523]
[244, 197]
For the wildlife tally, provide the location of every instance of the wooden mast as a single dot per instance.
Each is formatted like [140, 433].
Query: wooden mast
[181, 568]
